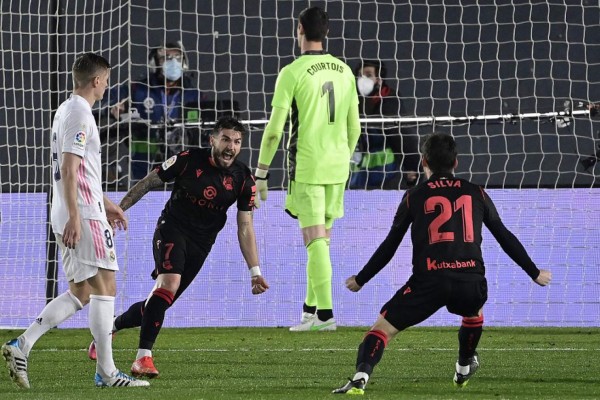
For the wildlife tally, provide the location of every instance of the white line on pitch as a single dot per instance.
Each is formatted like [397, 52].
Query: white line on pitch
[248, 350]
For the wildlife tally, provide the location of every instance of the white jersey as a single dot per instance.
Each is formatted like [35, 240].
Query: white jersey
[74, 130]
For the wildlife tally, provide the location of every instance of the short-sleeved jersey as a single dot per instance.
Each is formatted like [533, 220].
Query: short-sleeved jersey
[319, 90]
[447, 214]
[74, 130]
[203, 192]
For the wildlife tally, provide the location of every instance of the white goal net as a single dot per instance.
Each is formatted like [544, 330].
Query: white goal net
[511, 81]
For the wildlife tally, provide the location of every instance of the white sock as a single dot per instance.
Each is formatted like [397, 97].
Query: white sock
[143, 353]
[102, 309]
[361, 375]
[53, 314]
[462, 369]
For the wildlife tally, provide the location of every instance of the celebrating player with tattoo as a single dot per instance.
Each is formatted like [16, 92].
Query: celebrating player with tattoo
[206, 183]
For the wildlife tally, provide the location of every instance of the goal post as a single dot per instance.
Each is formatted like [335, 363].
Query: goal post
[511, 81]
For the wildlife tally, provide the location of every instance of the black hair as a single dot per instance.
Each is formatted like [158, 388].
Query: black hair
[86, 67]
[229, 122]
[380, 69]
[315, 22]
[440, 152]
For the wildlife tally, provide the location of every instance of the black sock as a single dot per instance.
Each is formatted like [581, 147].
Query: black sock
[132, 317]
[309, 309]
[468, 339]
[154, 315]
[324, 315]
[370, 351]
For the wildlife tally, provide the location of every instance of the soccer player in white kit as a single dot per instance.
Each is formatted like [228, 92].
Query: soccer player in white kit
[82, 221]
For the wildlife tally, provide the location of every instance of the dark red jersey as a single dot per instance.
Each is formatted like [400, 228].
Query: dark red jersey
[447, 215]
[203, 192]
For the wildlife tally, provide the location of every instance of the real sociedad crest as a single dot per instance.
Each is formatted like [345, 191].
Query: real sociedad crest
[228, 182]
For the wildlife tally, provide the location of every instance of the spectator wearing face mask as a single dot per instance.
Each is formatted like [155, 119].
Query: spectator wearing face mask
[387, 156]
[159, 97]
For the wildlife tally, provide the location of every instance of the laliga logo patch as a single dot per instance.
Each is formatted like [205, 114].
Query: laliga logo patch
[79, 140]
[169, 162]
[80, 137]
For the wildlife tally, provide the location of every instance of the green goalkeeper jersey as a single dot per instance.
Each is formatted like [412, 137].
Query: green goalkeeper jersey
[318, 90]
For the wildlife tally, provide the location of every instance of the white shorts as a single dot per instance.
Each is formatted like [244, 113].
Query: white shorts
[96, 249]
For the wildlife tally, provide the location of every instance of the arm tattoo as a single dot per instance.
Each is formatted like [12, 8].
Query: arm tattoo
[140, 189]
[243, 226]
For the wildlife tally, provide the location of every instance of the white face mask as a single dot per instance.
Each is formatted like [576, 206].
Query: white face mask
[365, 85]
[172, 69]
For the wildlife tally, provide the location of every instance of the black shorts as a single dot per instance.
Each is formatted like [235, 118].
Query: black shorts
[421, 297]
[177, 253]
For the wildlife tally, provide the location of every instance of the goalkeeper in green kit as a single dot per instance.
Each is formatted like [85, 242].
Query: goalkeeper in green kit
[318, 93]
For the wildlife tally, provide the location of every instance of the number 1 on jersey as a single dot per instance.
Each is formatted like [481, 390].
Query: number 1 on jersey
[328, 88]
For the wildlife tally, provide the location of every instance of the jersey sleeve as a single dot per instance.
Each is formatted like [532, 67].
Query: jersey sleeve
[246, 198]
[354, 128]
[281, 103]
[387, 249]
[272, 135]
[507, 240]
[284, 89]
[77, 132]
[173, 167]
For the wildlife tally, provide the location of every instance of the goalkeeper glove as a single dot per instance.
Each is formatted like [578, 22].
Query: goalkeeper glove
[261, 176]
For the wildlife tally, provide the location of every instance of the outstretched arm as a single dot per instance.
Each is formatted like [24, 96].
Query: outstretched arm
[247, 240]
[510, 244]
[382, 256]
[513, 247]
[140, 189]
[386, 250]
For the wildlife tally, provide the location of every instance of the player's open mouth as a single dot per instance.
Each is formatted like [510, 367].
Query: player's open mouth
[227, 156]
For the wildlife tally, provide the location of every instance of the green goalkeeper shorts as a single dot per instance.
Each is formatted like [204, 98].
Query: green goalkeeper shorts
[315, 204]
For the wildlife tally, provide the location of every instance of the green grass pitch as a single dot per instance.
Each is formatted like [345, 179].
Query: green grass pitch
[272, 363]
